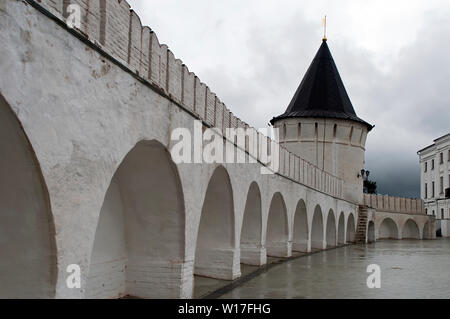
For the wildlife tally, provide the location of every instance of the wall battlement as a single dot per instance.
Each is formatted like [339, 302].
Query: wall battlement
[394, 204]
[115, 28]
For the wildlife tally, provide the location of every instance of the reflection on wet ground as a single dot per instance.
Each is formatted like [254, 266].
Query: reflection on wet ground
[409, 269]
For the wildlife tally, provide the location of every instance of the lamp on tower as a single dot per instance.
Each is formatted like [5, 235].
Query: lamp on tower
[364, 174]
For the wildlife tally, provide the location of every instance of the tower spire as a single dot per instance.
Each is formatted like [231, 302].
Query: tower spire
[324, 23]
[321, 93]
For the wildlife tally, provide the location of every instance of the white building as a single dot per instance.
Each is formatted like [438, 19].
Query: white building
[435, 181]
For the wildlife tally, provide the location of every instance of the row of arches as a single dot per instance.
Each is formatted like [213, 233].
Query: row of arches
[140, 239]
[141, 228]
[389, 229]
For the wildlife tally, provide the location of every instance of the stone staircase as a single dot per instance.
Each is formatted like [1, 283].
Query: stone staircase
[361, 228]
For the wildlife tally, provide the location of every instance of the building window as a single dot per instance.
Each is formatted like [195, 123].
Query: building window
[441, 188]
[448, 156]
[316, 130]
[335, 130]
[441, 158]
[442, 213]
[426, 190]
[433, 213]
[299, 132]
[426, 211]
[432, 164]
[425, 167]
[432, 190]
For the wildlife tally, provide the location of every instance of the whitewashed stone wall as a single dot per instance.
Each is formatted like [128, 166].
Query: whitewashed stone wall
[404, 225]
[394, 204]
[90, 113]
[83, 112]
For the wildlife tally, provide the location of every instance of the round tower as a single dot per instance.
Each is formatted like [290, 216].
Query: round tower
[321, 126]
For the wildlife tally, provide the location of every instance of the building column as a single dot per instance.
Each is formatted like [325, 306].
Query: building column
[319, 244]
[279, 249]
[154, 280]
[301, 246]
[218, 263]
[253, 255]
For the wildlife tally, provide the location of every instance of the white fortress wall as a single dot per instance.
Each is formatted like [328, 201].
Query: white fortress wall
[100, 129]
[88, 116]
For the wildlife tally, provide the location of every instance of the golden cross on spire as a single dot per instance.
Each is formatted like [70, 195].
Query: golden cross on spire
[324, 23]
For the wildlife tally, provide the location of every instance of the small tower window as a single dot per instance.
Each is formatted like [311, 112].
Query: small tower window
[299, 132]
[334, 130]
[284, 131]
[351, 134]
[316, 131]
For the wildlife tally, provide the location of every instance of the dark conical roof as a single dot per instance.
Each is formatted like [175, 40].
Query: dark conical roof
[321, 92]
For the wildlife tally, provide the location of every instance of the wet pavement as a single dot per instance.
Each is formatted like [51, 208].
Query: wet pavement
[409, 269]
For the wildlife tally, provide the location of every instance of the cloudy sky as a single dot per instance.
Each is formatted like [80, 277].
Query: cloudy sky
[393, 56]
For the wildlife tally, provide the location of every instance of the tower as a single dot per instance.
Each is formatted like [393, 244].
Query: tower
[321, 126]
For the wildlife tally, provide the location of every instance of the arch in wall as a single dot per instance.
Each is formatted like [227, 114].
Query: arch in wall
[410, 230]
[277, 228]
[388, 229]
[426, 234]
[300, 236]
[214, 254]
[317, 240]
[341, 229]
[331, 229]
[251, 232]
[27, 237]
[371, 232]
[350, 229]
[140, 230]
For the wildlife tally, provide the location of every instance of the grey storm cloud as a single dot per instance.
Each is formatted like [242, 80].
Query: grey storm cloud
[254, 54]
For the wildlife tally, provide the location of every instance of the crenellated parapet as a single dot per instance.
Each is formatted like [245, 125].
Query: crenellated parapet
[116, 29]
[393, 204]
[335, 145]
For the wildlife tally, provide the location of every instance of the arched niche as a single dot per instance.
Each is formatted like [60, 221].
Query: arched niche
[140, 240]
[27, 236]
